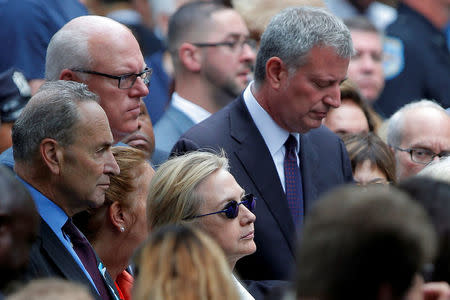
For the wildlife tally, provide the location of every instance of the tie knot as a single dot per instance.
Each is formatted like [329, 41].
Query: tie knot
[291, 144]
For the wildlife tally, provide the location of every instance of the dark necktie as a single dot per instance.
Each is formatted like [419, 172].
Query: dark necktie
[87, 256]
[292, 178]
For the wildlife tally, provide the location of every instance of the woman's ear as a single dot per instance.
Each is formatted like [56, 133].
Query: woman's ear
[117, 216]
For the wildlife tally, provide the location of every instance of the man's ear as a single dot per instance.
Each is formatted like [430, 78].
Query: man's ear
[117, 216]
[276, 72]
[190, 57]
[69, 75]
[52, 155]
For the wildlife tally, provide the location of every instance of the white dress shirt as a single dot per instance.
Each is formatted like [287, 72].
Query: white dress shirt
[272, 133]
[193, 111]
[242, 291]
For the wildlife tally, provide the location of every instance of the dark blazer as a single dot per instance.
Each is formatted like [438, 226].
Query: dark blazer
[324, 164]
[49, 258]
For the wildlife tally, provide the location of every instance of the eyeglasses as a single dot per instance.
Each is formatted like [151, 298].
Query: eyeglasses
[233, 45]
[126, 81]
[423, 156]
[231, 210]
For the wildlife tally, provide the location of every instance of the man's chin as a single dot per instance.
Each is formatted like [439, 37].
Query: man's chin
[98, 201]
[121, 135]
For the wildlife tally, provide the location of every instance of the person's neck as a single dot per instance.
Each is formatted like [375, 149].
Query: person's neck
[198, 95]
[47, 187]
[435, 12]
[115, 260]
[205, 95]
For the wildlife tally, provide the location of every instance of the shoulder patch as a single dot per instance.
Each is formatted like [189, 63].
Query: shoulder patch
[394, 58]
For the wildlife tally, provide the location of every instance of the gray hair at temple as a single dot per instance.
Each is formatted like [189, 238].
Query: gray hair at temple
[293, 32]
[51, 113]
[396, 122]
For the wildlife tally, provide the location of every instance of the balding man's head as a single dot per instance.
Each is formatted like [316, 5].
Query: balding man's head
[102, 53]
[416, 133]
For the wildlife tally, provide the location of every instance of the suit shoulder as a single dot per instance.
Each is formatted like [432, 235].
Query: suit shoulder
[213, 126]
[323, 135]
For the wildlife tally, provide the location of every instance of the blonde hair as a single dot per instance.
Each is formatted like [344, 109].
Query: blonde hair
[173, 190]
[52, 289]
[180, 262]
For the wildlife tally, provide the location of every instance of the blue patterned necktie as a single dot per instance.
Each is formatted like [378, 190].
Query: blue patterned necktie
[292, 177]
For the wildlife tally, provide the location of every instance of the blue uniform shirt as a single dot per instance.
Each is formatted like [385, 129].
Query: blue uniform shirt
[27, 27]
[417, 63]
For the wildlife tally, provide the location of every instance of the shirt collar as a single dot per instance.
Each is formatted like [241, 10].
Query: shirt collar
[51, 213]
[272, 133]
[193, 111]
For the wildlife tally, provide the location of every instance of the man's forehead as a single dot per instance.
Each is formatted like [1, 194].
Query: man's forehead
[220, 23]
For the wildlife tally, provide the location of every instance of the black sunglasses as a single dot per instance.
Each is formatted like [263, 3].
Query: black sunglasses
[231, 210]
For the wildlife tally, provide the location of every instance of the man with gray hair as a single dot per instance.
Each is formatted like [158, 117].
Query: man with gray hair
[273, 136]
[418, 134]
[62, 152]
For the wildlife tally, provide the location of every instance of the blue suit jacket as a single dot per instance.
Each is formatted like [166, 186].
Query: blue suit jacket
[324, 164]
[167, 131]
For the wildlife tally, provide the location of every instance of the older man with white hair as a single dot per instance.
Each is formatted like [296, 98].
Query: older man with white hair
[418, 133]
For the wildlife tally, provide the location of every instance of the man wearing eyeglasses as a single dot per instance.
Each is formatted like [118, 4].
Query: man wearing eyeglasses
[104, 55]
[212, 60]
[418, 134]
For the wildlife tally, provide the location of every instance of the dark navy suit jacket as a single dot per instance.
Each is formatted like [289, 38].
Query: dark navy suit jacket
[324, 164]
[49, 258]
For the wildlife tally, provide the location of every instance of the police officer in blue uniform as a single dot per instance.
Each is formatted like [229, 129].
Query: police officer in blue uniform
[417, 61]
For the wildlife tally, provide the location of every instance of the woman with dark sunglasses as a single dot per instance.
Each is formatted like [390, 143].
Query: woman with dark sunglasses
[198, 189]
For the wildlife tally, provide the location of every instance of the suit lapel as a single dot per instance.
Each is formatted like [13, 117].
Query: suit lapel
[308, 165]
[62, 258]
[257, 162]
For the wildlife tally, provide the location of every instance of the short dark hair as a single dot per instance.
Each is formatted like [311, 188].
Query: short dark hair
[189, 22]
[357, 239]
[368, 146]
[360, 23]
[434, 196]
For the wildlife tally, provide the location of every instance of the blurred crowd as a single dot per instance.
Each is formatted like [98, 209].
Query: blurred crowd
[240, 149]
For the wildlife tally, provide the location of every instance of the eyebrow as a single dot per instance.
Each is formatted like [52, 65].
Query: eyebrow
[236, 35]
[227, 200]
